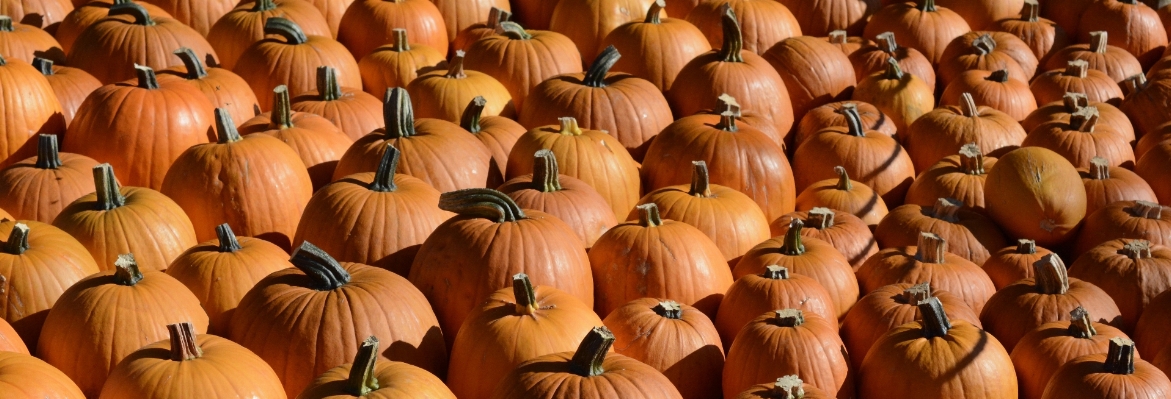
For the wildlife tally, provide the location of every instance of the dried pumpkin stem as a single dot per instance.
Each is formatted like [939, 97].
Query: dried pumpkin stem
[1031, 12]
[526, 296]
[854, 121]
[108, 191]
[669, 309]
[984, 44]
[1098, 42]
[470, 120]
[1099, 168]
[1077, 68]
[1026, 246]
[1146, 209]
[399, 42]
[788, 387]
[838, 37]
[17, 240]
[998, 76]
[282, 108]
[225, 127]
[48, 154]
[793, 245]
[729, 111]
[44, 65]
[821, 218]
[587, 359]
[893, 70]
[775, 272]
[1085, 119]
[648, 215]
[546, 174]
[932, 248]
[1137, 249]
[513, 30]
[263, 5]
[362, 380]
[1080, 324]
[327, 274]
[733, 37]
[652, 14]
[1134, 84]
[482, 203]
[915, 294]
[455, 68]
[141, 17]
[183, 343]
[927, 6]
[398, 114]
[227, 238]
[195, 69]
[285, 28]
[126, 271]
[700, 180]
[935, 322]
[569, 126]
[1120, 356]
[495, 17]
[1074, 101]
[6, 23]
[146, 77]
[596, 75]
[947, 209]
[1050, 275]
[968, 106]
[788, 318]
[886, 42]
[844, 182]
[971, 159]
[384, 176]
[328, 88]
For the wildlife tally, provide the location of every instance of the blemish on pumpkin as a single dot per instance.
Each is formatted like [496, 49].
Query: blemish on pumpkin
[1048, 225]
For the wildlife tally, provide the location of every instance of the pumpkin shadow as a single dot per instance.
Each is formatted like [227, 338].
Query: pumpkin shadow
[432, 343]
[708, 360]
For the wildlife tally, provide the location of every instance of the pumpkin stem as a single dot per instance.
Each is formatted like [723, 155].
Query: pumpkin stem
[328, 87]
[1051, 277]
[788, 387]
[1031, 12]
[1026, 246]
[886, 42]
[984, 44]
[935, 322]
[48, 156]
[1074, 101]
[141, 17]
[1077, 68]
[700, 180]
[327, 274]
[526, 296]
[893, 70]
[968, 106]
[844, 182]
[669, 309]
[44, 65]
[285, 28]
[108, 191]
[362, 380]
[821, 218]
[183, 343]
[3, 61]
[652, 14]
[569, 126]
[587, 360]
[483, 203]
[998, 76]
[733, 37]
[775, 272]
[384, 176]
[227, 237]
[729, 111]
[648, 215]
[788, 318]
[838, 37]
[1146, 209]
[1137, 249]
[263, 5]
[225, 127]
[1085, 119]
[971, 159]
[1120, 356]
[946, 209]
[455, 68]
[6, 23]
[1099, 168]
[282, 108]
[513, 30]
[146, 77]
[195, 69]
[470, 120]
[1130, 2]
[1080, 323]
[126, 270]
[853, 120]
[915, 294]
[932, 248]
[17, 240]
[793, 245]
[927, 6]
[596, 75]
[495, 17]
[1098, 42]
[398, 114]
[1134, 84]
[546, 174]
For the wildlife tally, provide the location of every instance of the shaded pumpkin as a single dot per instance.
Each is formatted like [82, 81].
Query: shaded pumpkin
[31, 108]
[1138, 220]
[1077, 77]
[368, 377]
[788, 341]
[1115, 374]
[71, 85]
[754, 294]
[26, 377]
[842, 230]
[833, 114]
[88, 12]
[1014, 263]
[1041, 351]
[287, 56]
[814, 74]
[444, 94]
[1152, 139]
[459, 15]
[901, 96]
[1153, 168]
[1042, 35]
[565, 197]
[657, 48]
[847, 44]
[521, 59]
[1068, 17]
[986, 51]
[872, 59]
[498, 133]
[821, 18]
[807, 256]
[223, 88]
[1083, 138]
[315, 139]
[1115, 61]
[928, 262]
[1150, 333]
[969, 233]
[998, 89]
[110, 48]
[1021, 195]
[233, 33]
[367, 23]
[587, 22]
[396, 63]
[39, 188]
[844, 194]
[1073, 102]
[1131, 271]
[1132, 25]
[24, 42]
[921, 25]
[940, 133]
[959, 176]
[536, 14]
[10, 341]
[675, 339]
[45, 15]
[199, 15]
[1141, 94]
[353, 111]
[892, 306]
[983, 14]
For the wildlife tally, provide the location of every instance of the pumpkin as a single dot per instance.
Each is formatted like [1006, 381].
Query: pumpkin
[754, 294]
[26, 377]
[30, 107]
[222, 87]
[939, 133]
[105, 317]
[986, 51]
[111, 46]
[788, 341]
[1067, 17]
[928, 262]
[1021, 194]
[498, 133]
[892, 306]
[475, 253]
[1042, 35]
[1077, 78]
[901, 96]
[353, 111]
[479, 30]
[511, 326]
[996, 89]
[38, 262]
[844, 194]
[1115, 61]
[875, 159]
[459, 15]
[1048, 296]
[198, 14]
[872, 59]
[116, 220]
[287, 56]
[315, 139]
[657, 48]
[1152, 139]
[1041, 351]
[921, 25]
[1131, 271]
[969, 233]
[146, 124]
[789, 386]
[937, 357]
[192, 364]
[736, 71]
[255, 182]
[813, 72]
[367, 377]
[45, 15]
[330, 306]
[806, 256]
[39, 188]
[537, 14]
[959, 176]
[565, 197]
[71, 85]
[1115, 374]
[1152, 167]
[844, 231]
[1150, 333]
[762, 23]
[587, 22]
[1139, 219]
[1140, 94]
[367, 23]
[396, 63]
[1132, 25]
[333, 11]
[23, 42]
[984, 13]
[847, 44]
[520, 59]
[821, 18]
[232, 34]
[347, 218]
[604, 101]
[436, 151]
[1013, 263]
[676, 339]
[833, 114]
[1082, 139]
[84, 15]
[444, 94]
[1072, 102]
[587, 373]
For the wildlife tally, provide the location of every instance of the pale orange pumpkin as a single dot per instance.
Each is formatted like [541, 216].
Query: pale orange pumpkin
[764, 23]
[353, 111]
[444, 94]
[959, 176]
[901, 96]
[1021, 194]
[368, 23]
[565, 197]
[396, 63]
[842, 230]
[675, 339]
[521, 59]
[24, 376]
[587, 22]
[844, 194]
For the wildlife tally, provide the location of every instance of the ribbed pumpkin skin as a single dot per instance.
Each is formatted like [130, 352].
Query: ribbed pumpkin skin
[686, 350]
[87, 14]
[282, 312]
[871, 59]
[1007, 265]
[763, 23]
[72, 86]
[1134, 27]
[440, 95]
[820, 261]
[239, 28]
[657, 52]
[25, 40]
[1118, 220]
[754, 294]
[1011, 97]
[10, 341]
[26, 377]
[396, 380]
[830, 114]
[940, 133]
[198, 14]
[273, 62]
[763, 350]
[587, 22]
[220, 279]
[1132, 283]
[1153, 168]
[39, 194]
[35, 279]
[97, 322]
[355, 112]
[967, 363]
[30, 109]
[1008, 52]
[880, 311]
[754, 83]
[819, 18]
[1043, 350]
[901, 265]
[1150, 333]
[223, 88]
[1058, 111]
[1081, 147]
[47, 14]
[389, 66]
[972, 235]
[225, 370]
[367, 23]
[1019, 308]
[728, 217]
[1021, 194]
[813, 72]
[876, 160]
[576, 203]
[459, 15]
[333, 11]
[111, 47]
[523, 64]
[947, 179]
[439, 153]
[849, 235]
[1086, 376]
[150, 225]
[928, 32]
[316, 140]
[550, 376]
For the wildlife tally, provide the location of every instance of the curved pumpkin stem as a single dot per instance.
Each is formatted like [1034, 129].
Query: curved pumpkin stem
[44, 65]
[931, 249]
[513, 30]
[141, 17]
[669, 309]
[470, 120]
[1137, 249]
[1120, 356]
[700, 180]
[587, 359]
[1099, 168]
[546, 174]
[984, 44]
[48, 155]
[968, 106]
[1146, 209]
[225, 127]
[946, 209]
[384, 176]
[526, 296]
[886, 42]
[774, 272]
[733, 37]
[146, 77]
[108, 191]
[935, 322]
[821, 218]
[1074, 101]
[569, 126]
[1051, 277]
[788, 318]
[1031, 12]
[362, 380]
[327, 274]
[227, 238]
[263, 5]
[648, 215]
[483, 203]
[915, 294]
[893, 70]
[6, 24]
[183, 343]
[793, 245]
[729, 111]
[195, 69]
[285, 28]
[971, 159]
[788, 387]
[998, 76]
[398, 114]
[282, 108]
[1077, 68]
[126, 270]
[1080, 323]
[652, 14]
[17, 240]
[844, 182]
[1098, 42]
[328, 88]
[455, 68]
[596, 75]
[854, 121]
[1085, 119]
[1026, 246]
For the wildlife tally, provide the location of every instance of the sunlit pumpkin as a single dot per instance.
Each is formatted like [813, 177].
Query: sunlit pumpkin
[39, 188]
[807, 256]
[565, 197]
[288, 56]
[928, 262]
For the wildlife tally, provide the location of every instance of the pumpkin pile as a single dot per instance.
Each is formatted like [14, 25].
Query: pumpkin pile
[585, 199]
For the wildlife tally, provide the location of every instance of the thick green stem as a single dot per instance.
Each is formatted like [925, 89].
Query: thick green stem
[108, 191]
[398, 114]
[227, 238]
[328, 88]
[17, 240]
[362, 380]
[932, 248]
[1050, 275]
[513, 30]
[384, 175]
[146, 77]
[1080, 323]
[546, 174]
[774, 272]
[44, 65]
[225, 127]
[126, 270]
[648, 215]
[195, 69]
[652, 14]
[788, 318]
[733, 37]
[669, 309]
[971, 159]
[282, 108]
[525, 294]
[483, 203]
[821, 218]
[327, 274]
[844, 182]
[596, 75]
[285, 28]
[1120, 356]
[470, 120]
[935, 322]
[588, 358]
[700, 180]
[183, 343]
[48, 155]
[140, 15]
[793, 245]
[1085, 119]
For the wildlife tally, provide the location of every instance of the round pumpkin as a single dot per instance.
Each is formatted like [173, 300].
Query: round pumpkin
[198, 14]
[1042, 35]
[23, 42]
[239, 28]
[110, 47]
[396, 63]
[1013, 263]
[587, 22]
[1150, 333]
[842, 230]
[969, 233]
[807, 256]
[536, 14]
[315, 139]
[1043, 350]
[1035, 193]
[872, 59]
[986, 51]
[847, 44]
[353, 111]
[521, 59]
[368, 23]
[287, 56]
[369, 378]
[959, 176]
[30, 108]
[844, 194]
[939, 133]
[657, 48]
[901, 96]
[920, 25]
[1115, 374]
[983, 14]
[89, 12]
[1077, 77]
[1139, 220]
[45, 15]
[1152, 139]
[26, 377]
[333, 11]
[1142, 94]
[996, 89]
[1132, 25]
[71, 85]
[565, 197]
[814, 74]
[479, 30]
[833, 114]
[763, 23]
[1073, 102]
[890, 307]
[498, 133]
[821, 18]
[788, 341]
[459, 15]
[1115, 61]
[1131, 271]
[928, 262]
[444, 94]
[776, 288]
[222, 87]
[39, 188]
[676, 339]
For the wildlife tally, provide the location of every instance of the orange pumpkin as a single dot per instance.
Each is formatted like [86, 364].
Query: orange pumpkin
[87, 13]
[833, 114]
[1113, 375]
[39, 188]
[292, 60]
[23, 376]
[1013, 263]
[222, 87]
[45, 15]
[536, 14]
[928, 262]
[10, 341]
[1141, 94]
[921, 25]
[788, 341]
[959, 176]
[823, 18]
[901, 96]
[984, 13]
[444, 94]
[479, 30]
[233, 33]
[969, 234]
[1115, 61]
[367, 377]
[842, 230]
[1152, 139]
[657, 48]
[1146, 220]
[396, 63]
[1021, 194]
[813, 72]
[1131, 271]
[111, 46]
[1132, 25]
[498, 133]
[1042, 35]
[807, 256]
[565, 197]
[198, 14]
[587, 22]
[23, 42]
[71, 85]
[939, 133]
[333, 11]
[521, 59]
[1150, 333]
[998, 89]
[986, 51]
[776, 288]
[676, 339]
[34, 111]
[763, 23]
[1073, 102]
[1077, 77]
[367, 23]
[847, 44]
[844, 194]
[1041, 351]
[872, 59]
[315, 139]
[890, 307]
[459, 15]
[1153, 168]
[353, 111]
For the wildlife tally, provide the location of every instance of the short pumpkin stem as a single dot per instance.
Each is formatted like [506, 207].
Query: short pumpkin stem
[48, 156]
[788, 387]
[285, 28]
[853, 121]
[1147, 209]
[793, 245]
[227, 238]
[968, 107]
[1077, 68]
[935, 322]
[1085, 119]
[1074, 101]
[947, 209]
[596, 75]
[362, 380]
[17, 240]
[455, 68]
[733, 37]
[225, 127]
[496, 16]
[108, 191]
[1026, 246]
[886, 42]
[3, 61]
[1137, 249]
[195, 69]
[569, 126]
[1031, 12]
[6, 23]
[263, 5]
[729, 111]
[282, 108]
[587, 360]
[384, 175]
[915, 294]
[971, 159]
[648, 215]
[146, 77]
[838, 37]
[398, 114]
[140, 15]
[1098, 42]
[821, 218]
[1120, 356]
[328, 88]
[526, 296]
[1099, 168]
[775, 272]
[513, 30]
[327, 274]
[893, 70]
[844, 183]
[700, 180]
[998, 76]
[984, 44]
[44, 65]
[1051, 277]
[788, 318]
[546, 174]
[399, 40]
[126, 270]
[183, 343]
[470, 120]
[1134, 84]
[927, 6]
[483, 203]
[1080, 324]
[932, 248]
[669, 309]
[652, 14]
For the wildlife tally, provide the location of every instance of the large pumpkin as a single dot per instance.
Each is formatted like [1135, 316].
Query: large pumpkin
[198, 14]
[109, 48]
[872, 59]
[842, 230]
[928, 262]
[30, 108]
[565, 197]
[223, 88]
[368, 377]
[1115, 61]
[1014, 263]
[845, 194]
[521, 59]
[461, 14]
[807, 256]
[657, 48]
[1141, 94]
[1115, 374]
[88, 13]
[969, 233]
[287, 56]
[587, 22]
[813, 72]
[1040, 352]
[1132, 25]
[941, 132]
[25, 377]
[39, 188]
[1133, 219]
[23, 42]
[1131, 271]
[396, 63]
[367, 23]
[443, 94]
[354, 111]
[959, 176]
[71, 85]
[45, 15]
[1082, 139]
[788, 341]
[922, 26]
[820, 18]
[1035, 193]
[1077, 77]
[901, 96]
[999, 89]
[890, 307]
[239, 28]
[764, 23]
[1042, 35]
[754, 294]
[1073, 102]
[678, 340]
[982, 14]
[315, 139]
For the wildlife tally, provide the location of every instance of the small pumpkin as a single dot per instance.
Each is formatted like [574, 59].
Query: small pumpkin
[222, 87]
[872, 59]
[498, 133]
[396, 63]
[986, 51]
[848, 195]
[928, 262]
[34, 111]
[788, 341]
[1040, 352]
[1146, 220]
[920, 25]
[657, 48]
[998, 89]
[1113, 375]
[71, 85]
[1106, 185]
[233, 33]
[565, 197]
[842, 230]
[444, 94]
[969, 234]
[39, 188]
[834, 114]
[315, 139]
[367, 377]
[111, 46]
[1131, 271]
[807, 256]
[1021, 194]
[1132, 25]
[23, 42]
[1101, 55]
[1014, 263]
[1077, 77]
[960, 176]
[587, 22]
[521, 59]
[26, 377]
[353, 111]
[367, 23]
[762, 23]
[754, 294]
[676, 339]
[1042, 35]
[287, 56]
[939, 133]
[890, 307]
[901, 96]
